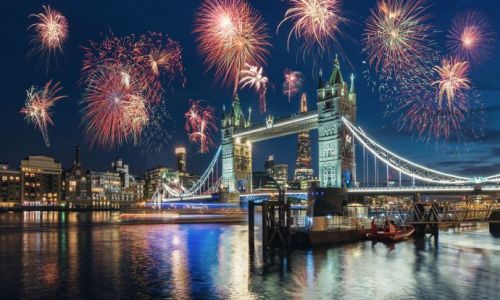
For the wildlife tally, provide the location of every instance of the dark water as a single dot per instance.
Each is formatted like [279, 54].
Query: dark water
[54, 255]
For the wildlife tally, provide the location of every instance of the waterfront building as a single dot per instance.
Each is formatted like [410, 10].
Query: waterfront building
[281, 175]
[10, 186]
[269, 166]
[180, 154]
[105, 190]
[303, 164]
[119, 167]
[152, 179]
[40, 181]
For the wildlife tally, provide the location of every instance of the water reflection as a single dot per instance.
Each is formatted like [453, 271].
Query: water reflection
[88, 255]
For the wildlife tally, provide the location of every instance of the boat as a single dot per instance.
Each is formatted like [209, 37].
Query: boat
[390, 233]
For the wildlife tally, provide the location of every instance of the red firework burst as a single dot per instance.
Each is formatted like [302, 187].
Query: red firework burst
[114, 106]
[293, 83]
[39, 103]
[471, 37]
[50, 32]
[229, 34]
[200, 125]
[149, 56]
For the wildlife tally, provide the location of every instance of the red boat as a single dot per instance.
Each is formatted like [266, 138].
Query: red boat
[390, 233]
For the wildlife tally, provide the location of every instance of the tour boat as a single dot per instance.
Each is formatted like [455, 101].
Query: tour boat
[390, 233]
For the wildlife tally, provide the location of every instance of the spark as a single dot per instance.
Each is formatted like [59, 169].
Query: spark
[37, 109]
[396, 36]
[316, 22]
[293, 83]
[420, 109]
[50, 31]
[470, 37]
[152, 57]
[253, 77]
[115, 109]
[230, 33]
[200, 125]
[453, 80]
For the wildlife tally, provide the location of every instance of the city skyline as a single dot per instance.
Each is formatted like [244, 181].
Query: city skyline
[478, 158]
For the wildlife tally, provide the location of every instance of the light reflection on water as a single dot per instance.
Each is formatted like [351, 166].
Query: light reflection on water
[85, 255]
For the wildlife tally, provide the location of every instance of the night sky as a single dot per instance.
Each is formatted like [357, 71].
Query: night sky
[91, 19]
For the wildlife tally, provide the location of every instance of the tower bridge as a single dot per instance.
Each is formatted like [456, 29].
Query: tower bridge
[230, 171]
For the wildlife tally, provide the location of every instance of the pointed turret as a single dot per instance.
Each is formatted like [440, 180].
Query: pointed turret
[249, 119]
[320, 81]
[352, 90]
[303, 103]
[336, 77]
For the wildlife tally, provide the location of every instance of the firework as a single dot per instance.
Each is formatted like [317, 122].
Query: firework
[419, 104]
[115, 109]
[452, 80]
[292, 84]
[229, 34]
[397, 37]
[155, 136]
[50, 31]
[470, 37]
[253, 77]
[149, 56]
[200, 125]
[37, 109]
[316, 22]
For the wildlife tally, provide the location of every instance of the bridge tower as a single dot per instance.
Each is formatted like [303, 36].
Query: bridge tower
[337, 165]
[236, 154]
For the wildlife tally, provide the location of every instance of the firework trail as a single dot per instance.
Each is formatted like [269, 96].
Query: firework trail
[253, 77]
[453, 80]
[155, 135]
[316, 22]
[155, 55]
[397, 37]
[50, 32]
[230, 33]
[115, 109]
[471, 38]
[419, 104]
[200, 125]
[149, 56]
[292, 84]
[37, 109]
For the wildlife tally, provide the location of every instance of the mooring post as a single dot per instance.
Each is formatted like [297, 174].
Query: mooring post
[264, 225]
[288, 224]
[251, 225]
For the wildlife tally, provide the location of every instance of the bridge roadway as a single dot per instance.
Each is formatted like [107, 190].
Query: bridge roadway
[373, 191]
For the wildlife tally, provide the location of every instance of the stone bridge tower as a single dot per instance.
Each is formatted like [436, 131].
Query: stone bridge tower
[337, 164]
[236, 154]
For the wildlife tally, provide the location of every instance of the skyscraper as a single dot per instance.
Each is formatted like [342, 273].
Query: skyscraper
[180, 153]
[303, 164]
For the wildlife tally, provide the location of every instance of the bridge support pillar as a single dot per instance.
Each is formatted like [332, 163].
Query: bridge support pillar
[495, 227]
[322, 203]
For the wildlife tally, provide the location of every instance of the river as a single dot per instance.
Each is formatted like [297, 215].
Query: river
[89, 256]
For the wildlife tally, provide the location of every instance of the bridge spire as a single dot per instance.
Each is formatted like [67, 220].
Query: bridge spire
[303, 103]
[320, 81]
[336, 76]
[352, 91]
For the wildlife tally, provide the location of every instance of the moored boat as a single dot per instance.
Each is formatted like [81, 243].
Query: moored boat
[390, 232]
